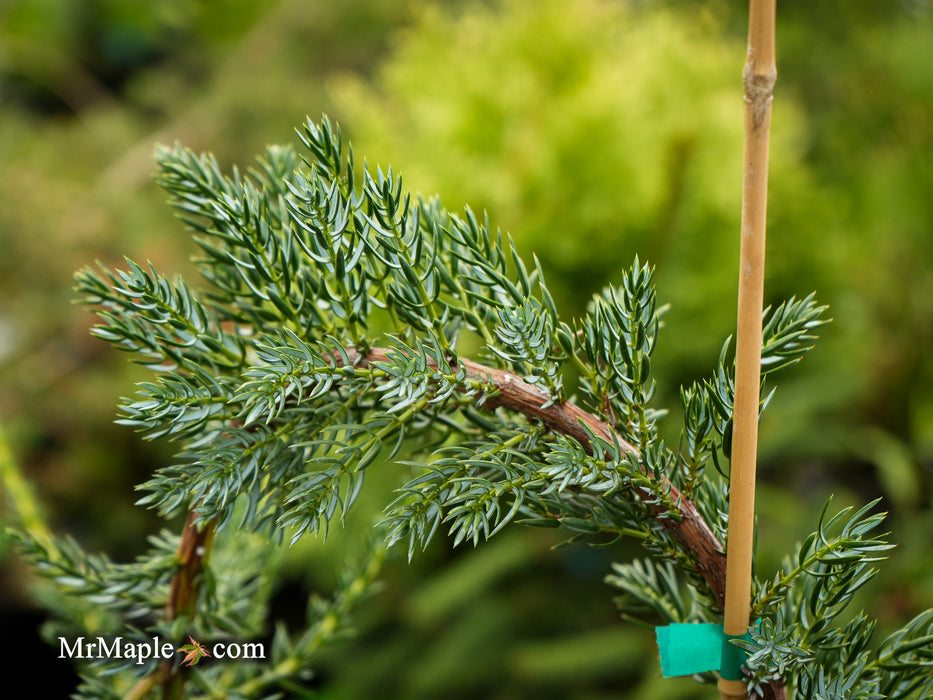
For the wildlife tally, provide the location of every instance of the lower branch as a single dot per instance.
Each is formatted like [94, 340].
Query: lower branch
[192, 551]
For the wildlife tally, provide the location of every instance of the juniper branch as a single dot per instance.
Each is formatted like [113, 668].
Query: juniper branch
[688, 528]
[283, 384]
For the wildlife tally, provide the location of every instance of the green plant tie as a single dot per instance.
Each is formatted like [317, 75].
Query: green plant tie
[696, 648]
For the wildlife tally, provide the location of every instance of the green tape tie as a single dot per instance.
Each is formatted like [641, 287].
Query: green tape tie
[696, 648]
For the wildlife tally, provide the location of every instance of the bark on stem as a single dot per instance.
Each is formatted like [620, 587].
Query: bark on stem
[690, 530]
[193, 549]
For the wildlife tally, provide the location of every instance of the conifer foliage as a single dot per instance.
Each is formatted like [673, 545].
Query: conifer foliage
[345, 324]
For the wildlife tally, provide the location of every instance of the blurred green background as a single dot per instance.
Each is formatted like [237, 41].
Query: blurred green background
[592, 130]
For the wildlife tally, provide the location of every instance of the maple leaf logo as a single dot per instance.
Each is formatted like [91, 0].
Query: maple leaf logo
[194, 652]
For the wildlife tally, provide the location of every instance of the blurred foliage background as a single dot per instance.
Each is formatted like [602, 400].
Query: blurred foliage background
[592, 131]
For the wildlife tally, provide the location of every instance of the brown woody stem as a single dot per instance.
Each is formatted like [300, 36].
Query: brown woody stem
[689, 529]
[192, 551]
[193, 548]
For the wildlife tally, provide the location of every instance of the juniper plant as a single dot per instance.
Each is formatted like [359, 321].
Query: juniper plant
[345, 322]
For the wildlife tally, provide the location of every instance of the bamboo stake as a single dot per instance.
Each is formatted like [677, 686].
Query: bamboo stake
[759, 76]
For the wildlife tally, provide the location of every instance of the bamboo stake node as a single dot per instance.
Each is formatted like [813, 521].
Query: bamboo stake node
[759, 91]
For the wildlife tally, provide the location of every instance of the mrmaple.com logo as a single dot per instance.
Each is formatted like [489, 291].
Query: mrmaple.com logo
[122, 649]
